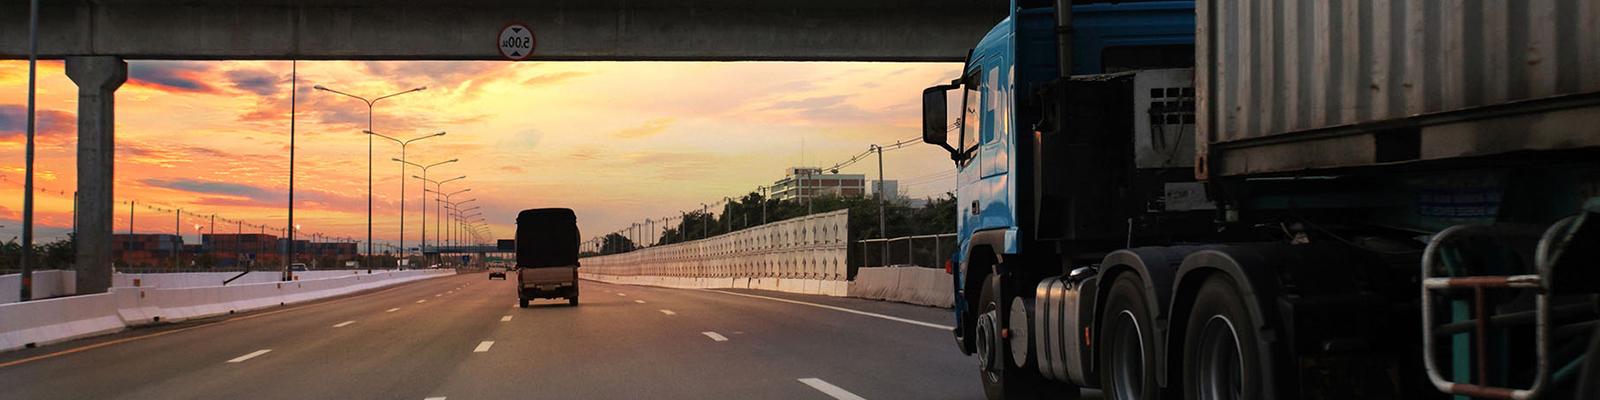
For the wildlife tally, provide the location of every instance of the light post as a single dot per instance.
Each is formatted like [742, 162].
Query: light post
[422, 243]
[438, 206]
[369, 155]
[403, 163]
[455, 207]
[461, 222]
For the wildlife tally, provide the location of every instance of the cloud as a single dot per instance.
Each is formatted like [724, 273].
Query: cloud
[175, 76]
[259, 82]
[209, 187]
[650, 128]
[835, 109]
[49, 123]
[512, 169]
[553, 78]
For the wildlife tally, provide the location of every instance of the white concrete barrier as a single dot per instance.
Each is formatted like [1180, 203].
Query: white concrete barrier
[202, 279]
[800, 255]
[906, 284]
[59, 319]
[55, 320]
[46, 284]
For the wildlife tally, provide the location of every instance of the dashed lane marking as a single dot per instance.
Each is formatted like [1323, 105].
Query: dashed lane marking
[422, 301]
[483, 347]
[668, 312]
[639, 301]
[505, 318]
[715, 336]
[253, 354]
[343, 324]
[392, 309]
[829, 389]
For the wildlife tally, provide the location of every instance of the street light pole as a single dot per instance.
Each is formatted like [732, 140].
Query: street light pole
[422, 242]
[403, 144]
[369, 156]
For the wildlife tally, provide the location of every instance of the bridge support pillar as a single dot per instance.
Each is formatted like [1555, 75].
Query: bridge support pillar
[98, 78]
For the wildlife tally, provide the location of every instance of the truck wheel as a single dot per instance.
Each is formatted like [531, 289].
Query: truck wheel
[572, 301]
[522, 302]
[1127, 357]
[1221, 358]
[1002, 379]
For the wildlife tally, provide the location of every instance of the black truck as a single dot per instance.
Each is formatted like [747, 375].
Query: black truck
[547, 255]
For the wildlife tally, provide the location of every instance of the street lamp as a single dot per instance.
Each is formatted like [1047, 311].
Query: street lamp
[438, 206]
[369, 155]
[403, 163]
[422, 243]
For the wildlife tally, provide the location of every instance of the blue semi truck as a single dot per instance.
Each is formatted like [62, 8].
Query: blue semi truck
[1262, 199]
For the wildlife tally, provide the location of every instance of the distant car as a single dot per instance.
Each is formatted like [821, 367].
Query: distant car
[497, 273]
[297, 267]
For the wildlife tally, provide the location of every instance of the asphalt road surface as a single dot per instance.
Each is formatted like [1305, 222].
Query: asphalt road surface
[462, 337]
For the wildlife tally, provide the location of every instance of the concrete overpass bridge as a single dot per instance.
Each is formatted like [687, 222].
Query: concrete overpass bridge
[96, 36]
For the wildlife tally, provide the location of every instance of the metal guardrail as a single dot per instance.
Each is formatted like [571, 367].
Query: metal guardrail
[930, 251]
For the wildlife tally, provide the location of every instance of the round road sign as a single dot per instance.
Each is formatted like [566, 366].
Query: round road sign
[516, 42]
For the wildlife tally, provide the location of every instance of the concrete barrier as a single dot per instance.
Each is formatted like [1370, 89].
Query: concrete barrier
[203, 279]
[55, 320]
[791, 285]
[46, 284]
[906, 284]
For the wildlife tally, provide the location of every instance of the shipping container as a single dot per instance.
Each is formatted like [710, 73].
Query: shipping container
[1289, 86]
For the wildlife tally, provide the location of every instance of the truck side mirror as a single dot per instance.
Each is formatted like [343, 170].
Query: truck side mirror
[935, 128]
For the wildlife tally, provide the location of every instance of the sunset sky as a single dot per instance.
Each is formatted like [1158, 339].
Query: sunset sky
[617, 141]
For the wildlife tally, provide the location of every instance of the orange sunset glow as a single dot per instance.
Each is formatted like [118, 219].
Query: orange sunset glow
[623, 140]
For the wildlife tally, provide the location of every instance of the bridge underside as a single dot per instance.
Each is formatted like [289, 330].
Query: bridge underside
[798, 30]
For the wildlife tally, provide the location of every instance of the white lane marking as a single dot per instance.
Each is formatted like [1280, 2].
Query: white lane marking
[254, 354]
[437, 295]
[829, 389]
[668, 312]
[422, 301]
[392, 309]
[639, 301]
[343, 324]
[505, 318]
[434, 398]
[835, 308]
[715, 336]
[483, 347]
[622, 294]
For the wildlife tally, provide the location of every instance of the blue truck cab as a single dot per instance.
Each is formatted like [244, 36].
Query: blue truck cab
[999, 106]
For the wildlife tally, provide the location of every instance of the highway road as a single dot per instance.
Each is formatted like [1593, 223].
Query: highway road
[462, 337]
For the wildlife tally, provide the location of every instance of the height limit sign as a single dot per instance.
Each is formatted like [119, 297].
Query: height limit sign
[516, 42]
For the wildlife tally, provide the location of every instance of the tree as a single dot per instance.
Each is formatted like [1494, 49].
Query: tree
[616, 243]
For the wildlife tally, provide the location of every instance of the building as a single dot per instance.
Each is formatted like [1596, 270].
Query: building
[890, 189]
[805, 182]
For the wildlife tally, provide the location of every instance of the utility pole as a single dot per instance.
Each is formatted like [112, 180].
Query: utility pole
[883, 202]
[177, 229]
[26, 292]
[130, 218]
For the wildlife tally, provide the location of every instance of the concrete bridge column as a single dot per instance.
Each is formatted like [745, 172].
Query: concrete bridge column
[98, 78]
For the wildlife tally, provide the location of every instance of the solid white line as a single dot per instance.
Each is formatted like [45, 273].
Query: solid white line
[422, 301]
[483, 347]
[639, 301]
[343, 324]
[835, 308]
[250, 356]
[715, 336]
[505, 318]
[830, 389]
[668, 312]
[392, 309]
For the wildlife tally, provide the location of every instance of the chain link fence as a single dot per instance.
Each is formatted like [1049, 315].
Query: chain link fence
[928, 251]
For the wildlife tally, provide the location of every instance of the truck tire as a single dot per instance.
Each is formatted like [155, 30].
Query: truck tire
[1127, 337]
[572, 301]
[1221, 357]
[1007, 381]
[522, 302]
